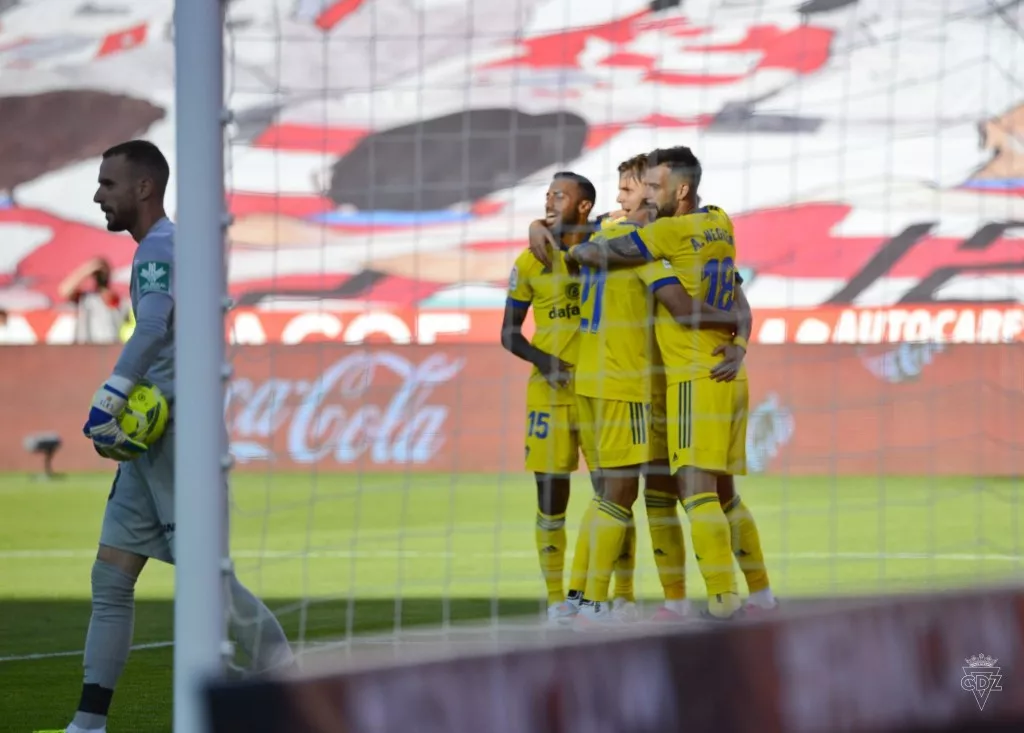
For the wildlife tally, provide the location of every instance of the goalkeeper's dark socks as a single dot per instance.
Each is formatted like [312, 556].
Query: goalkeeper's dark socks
[93, 707]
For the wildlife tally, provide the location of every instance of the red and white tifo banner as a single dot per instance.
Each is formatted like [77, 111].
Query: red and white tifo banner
[951, 324]
[914, 409]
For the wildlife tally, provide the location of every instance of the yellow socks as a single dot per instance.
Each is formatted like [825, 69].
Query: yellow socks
[608, 529]
[667, 541]
[712, 545]
[625, 566]
[746, 545]
[581, 556]
[550, 536]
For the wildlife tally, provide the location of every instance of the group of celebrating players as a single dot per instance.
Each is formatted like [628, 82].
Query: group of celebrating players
[641, 331]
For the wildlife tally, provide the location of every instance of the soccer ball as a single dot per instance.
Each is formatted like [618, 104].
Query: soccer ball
[145, 416]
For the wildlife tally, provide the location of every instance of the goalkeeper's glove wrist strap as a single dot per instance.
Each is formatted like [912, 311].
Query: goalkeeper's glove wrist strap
[122, 384]
[739, 341]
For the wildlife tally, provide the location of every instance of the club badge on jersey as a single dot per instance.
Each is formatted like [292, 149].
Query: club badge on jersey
[102, 427]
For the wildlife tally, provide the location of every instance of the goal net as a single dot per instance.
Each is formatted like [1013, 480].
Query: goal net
[385, 161]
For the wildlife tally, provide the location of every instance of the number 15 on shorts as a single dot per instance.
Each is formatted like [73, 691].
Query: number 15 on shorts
[552, 444]
[537, 424]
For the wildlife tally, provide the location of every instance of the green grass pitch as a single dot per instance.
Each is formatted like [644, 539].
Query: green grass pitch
[337, 554]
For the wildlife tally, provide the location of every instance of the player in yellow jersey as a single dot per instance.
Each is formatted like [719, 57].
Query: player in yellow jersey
[613, 397]
[659, 485]
[706, 416]
[552, 439]
[613, 390]
[660, 495]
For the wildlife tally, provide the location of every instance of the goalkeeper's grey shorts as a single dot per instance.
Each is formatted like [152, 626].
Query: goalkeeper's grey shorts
[140, 509]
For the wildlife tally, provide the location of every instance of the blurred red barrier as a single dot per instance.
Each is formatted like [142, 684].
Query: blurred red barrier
[895, 665]
[814, 409]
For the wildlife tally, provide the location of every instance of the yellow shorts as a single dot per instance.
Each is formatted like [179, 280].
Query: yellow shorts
[552, 439]
[707, 425]
[614, 433]
[658, 447]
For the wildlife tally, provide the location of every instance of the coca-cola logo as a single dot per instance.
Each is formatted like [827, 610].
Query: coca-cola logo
[341, 414]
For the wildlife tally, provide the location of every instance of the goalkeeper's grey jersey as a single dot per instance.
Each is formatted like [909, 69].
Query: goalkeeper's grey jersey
[149, 353]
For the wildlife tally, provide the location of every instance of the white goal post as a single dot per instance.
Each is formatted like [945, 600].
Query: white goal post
[201, 457]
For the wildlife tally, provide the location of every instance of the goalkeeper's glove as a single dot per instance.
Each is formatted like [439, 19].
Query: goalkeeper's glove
[120, 455]
[102, 427]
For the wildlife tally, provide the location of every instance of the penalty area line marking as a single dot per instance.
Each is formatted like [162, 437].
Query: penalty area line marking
[80, 652]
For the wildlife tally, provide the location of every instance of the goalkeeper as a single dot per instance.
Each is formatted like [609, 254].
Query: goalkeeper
[138, 523]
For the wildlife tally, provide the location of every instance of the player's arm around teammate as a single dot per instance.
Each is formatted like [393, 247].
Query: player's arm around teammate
[733, 353]
[620, 249]
[630, 198]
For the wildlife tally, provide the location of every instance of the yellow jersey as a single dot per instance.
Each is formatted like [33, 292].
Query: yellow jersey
[702, 250]
[554, 295]
[615, 318]
[605, 221]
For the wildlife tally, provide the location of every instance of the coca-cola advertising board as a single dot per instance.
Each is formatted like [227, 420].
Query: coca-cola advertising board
[836, 409]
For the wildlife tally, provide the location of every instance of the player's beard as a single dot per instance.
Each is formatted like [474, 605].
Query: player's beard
[116, 222]
[573, 226]
[563, 226]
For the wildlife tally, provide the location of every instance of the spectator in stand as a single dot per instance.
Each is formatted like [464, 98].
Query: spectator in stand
[101, 312]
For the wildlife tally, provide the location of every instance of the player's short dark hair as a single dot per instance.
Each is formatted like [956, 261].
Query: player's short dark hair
[681, 162]
[587, 190]
[146, 156]
[635, 166]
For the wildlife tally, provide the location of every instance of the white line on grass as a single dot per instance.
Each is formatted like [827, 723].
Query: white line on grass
[306, 646]
[516, 554]
[80, 652]
[342, 554]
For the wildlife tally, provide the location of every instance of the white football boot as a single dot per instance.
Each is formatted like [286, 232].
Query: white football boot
[625, 611]
[562, 613]
[593, 616]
